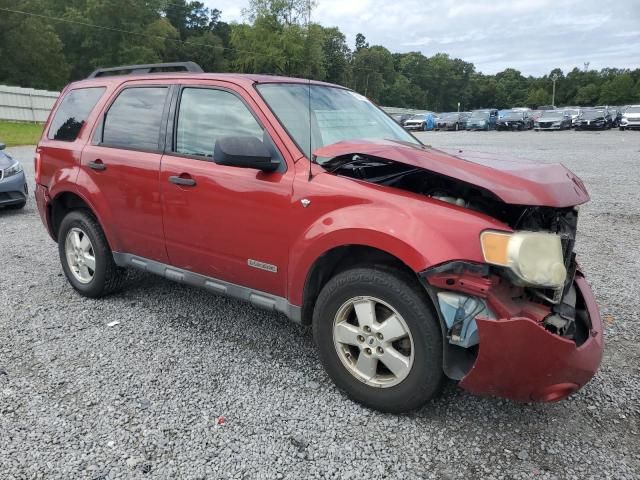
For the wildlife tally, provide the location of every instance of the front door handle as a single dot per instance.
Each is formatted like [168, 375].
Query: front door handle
[97, 165]
[183, 181]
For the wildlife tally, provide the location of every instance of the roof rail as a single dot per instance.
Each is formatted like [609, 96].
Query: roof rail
[149, 68]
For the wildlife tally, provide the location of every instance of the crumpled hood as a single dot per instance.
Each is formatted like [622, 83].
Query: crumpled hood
[5, 161]
[514, 182]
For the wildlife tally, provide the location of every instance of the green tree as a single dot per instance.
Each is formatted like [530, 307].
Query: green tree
[617, 91]
[285, 12]
[587, 95]
[373, 71]
[538, 97]
[31, 52]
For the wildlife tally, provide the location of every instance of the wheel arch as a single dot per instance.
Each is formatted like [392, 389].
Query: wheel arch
[67, 201]
[339, 259]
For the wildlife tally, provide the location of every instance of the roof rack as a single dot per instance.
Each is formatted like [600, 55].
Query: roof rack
[149, 68]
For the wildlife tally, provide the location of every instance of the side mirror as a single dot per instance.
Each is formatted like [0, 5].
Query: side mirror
[244, 152]
[2, 146]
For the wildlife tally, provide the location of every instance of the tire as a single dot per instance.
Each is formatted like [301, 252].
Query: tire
[421, 378]
[457, 127]
[621, 129]
[107, 277]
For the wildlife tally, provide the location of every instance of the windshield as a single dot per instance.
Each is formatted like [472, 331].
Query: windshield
[514, 115]
[552, 113]
[479, 115]
[633, 110]
[572, 112]
[592, 113]
[449, 116]
[336, 115]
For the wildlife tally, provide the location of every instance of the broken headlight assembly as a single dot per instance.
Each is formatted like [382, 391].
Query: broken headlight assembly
[536, 258]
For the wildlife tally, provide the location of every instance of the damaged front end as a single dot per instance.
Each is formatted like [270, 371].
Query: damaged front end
[522, 322]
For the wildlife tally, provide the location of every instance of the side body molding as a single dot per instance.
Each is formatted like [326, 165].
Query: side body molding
[255, 297]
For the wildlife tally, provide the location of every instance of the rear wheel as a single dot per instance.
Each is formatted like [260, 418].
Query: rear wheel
[378, 339]
[85, 255]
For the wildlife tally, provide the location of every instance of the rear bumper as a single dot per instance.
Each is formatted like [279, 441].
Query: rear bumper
[520, 360]
[43, 201]
[13, 190]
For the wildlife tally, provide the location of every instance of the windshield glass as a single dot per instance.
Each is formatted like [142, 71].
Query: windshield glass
[552, 113]
[592, 113]
[449, 116]
[336, 115]
[479, 115]
[514, 115]
[632, 110]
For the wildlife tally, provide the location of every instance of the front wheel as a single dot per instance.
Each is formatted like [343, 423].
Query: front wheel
[85, 255]
[378, 339]
[622, 129]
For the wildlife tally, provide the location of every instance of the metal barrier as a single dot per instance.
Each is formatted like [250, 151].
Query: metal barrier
[25, 104]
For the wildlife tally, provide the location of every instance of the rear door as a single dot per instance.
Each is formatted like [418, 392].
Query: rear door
[225, 222]
[122, 165]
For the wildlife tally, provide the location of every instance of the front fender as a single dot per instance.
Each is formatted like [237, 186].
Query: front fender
[392, 231]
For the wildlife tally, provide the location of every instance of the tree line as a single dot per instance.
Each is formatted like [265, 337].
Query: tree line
[47, 43]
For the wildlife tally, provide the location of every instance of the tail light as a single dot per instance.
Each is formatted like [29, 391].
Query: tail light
[37, 163]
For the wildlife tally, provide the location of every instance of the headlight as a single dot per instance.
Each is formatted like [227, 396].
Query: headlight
[535, 257]
[12, 170]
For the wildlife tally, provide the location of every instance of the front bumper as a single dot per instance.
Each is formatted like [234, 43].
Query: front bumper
[13, 190]
[520, 360]
[550, 127]
[591, 126]
[414, 126]
[630, 123]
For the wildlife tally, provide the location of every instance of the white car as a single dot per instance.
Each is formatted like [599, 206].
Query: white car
[630, 118]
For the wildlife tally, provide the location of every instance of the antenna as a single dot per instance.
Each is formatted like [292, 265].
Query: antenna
[309, 86]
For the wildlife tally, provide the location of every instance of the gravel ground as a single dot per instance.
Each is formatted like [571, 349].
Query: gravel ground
[190, 385]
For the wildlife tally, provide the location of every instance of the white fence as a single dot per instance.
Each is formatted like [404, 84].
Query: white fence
[25, 104]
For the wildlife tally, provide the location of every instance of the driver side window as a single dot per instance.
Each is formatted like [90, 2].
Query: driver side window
[207, 114]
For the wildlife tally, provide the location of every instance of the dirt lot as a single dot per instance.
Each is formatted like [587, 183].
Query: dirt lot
[190, 385]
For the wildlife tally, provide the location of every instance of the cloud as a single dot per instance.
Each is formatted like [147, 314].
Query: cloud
[533, 36]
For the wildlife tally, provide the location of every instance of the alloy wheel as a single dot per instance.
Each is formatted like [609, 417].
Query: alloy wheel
[80, 255]
[373, 341]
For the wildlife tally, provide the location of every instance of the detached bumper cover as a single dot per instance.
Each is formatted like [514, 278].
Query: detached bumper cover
[520, 360]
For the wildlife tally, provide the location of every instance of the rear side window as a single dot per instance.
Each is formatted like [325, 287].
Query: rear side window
[73, 112]
[133, 120]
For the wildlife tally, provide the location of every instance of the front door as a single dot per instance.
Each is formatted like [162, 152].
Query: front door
[225, 222]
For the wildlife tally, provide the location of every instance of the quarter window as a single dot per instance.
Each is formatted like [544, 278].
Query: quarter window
[206, 115]
[73, 112]
[133, 120]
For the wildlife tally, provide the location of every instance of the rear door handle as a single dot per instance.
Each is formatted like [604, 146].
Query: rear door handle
[186, 182]
[97, 165]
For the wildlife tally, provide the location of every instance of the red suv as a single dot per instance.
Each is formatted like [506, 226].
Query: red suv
[410, 263]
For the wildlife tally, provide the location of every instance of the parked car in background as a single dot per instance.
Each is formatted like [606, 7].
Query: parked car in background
[452, 121]
[421, 121]
[515, 120]
[484, 119]
[616, 116]
[631, 118]
[400, 118]
[574, 113]
[593, 119]
[546, 107]
[13, 184]
[408, 263]
[553, 120]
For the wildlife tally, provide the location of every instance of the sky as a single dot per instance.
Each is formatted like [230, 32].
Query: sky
[533, 36]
